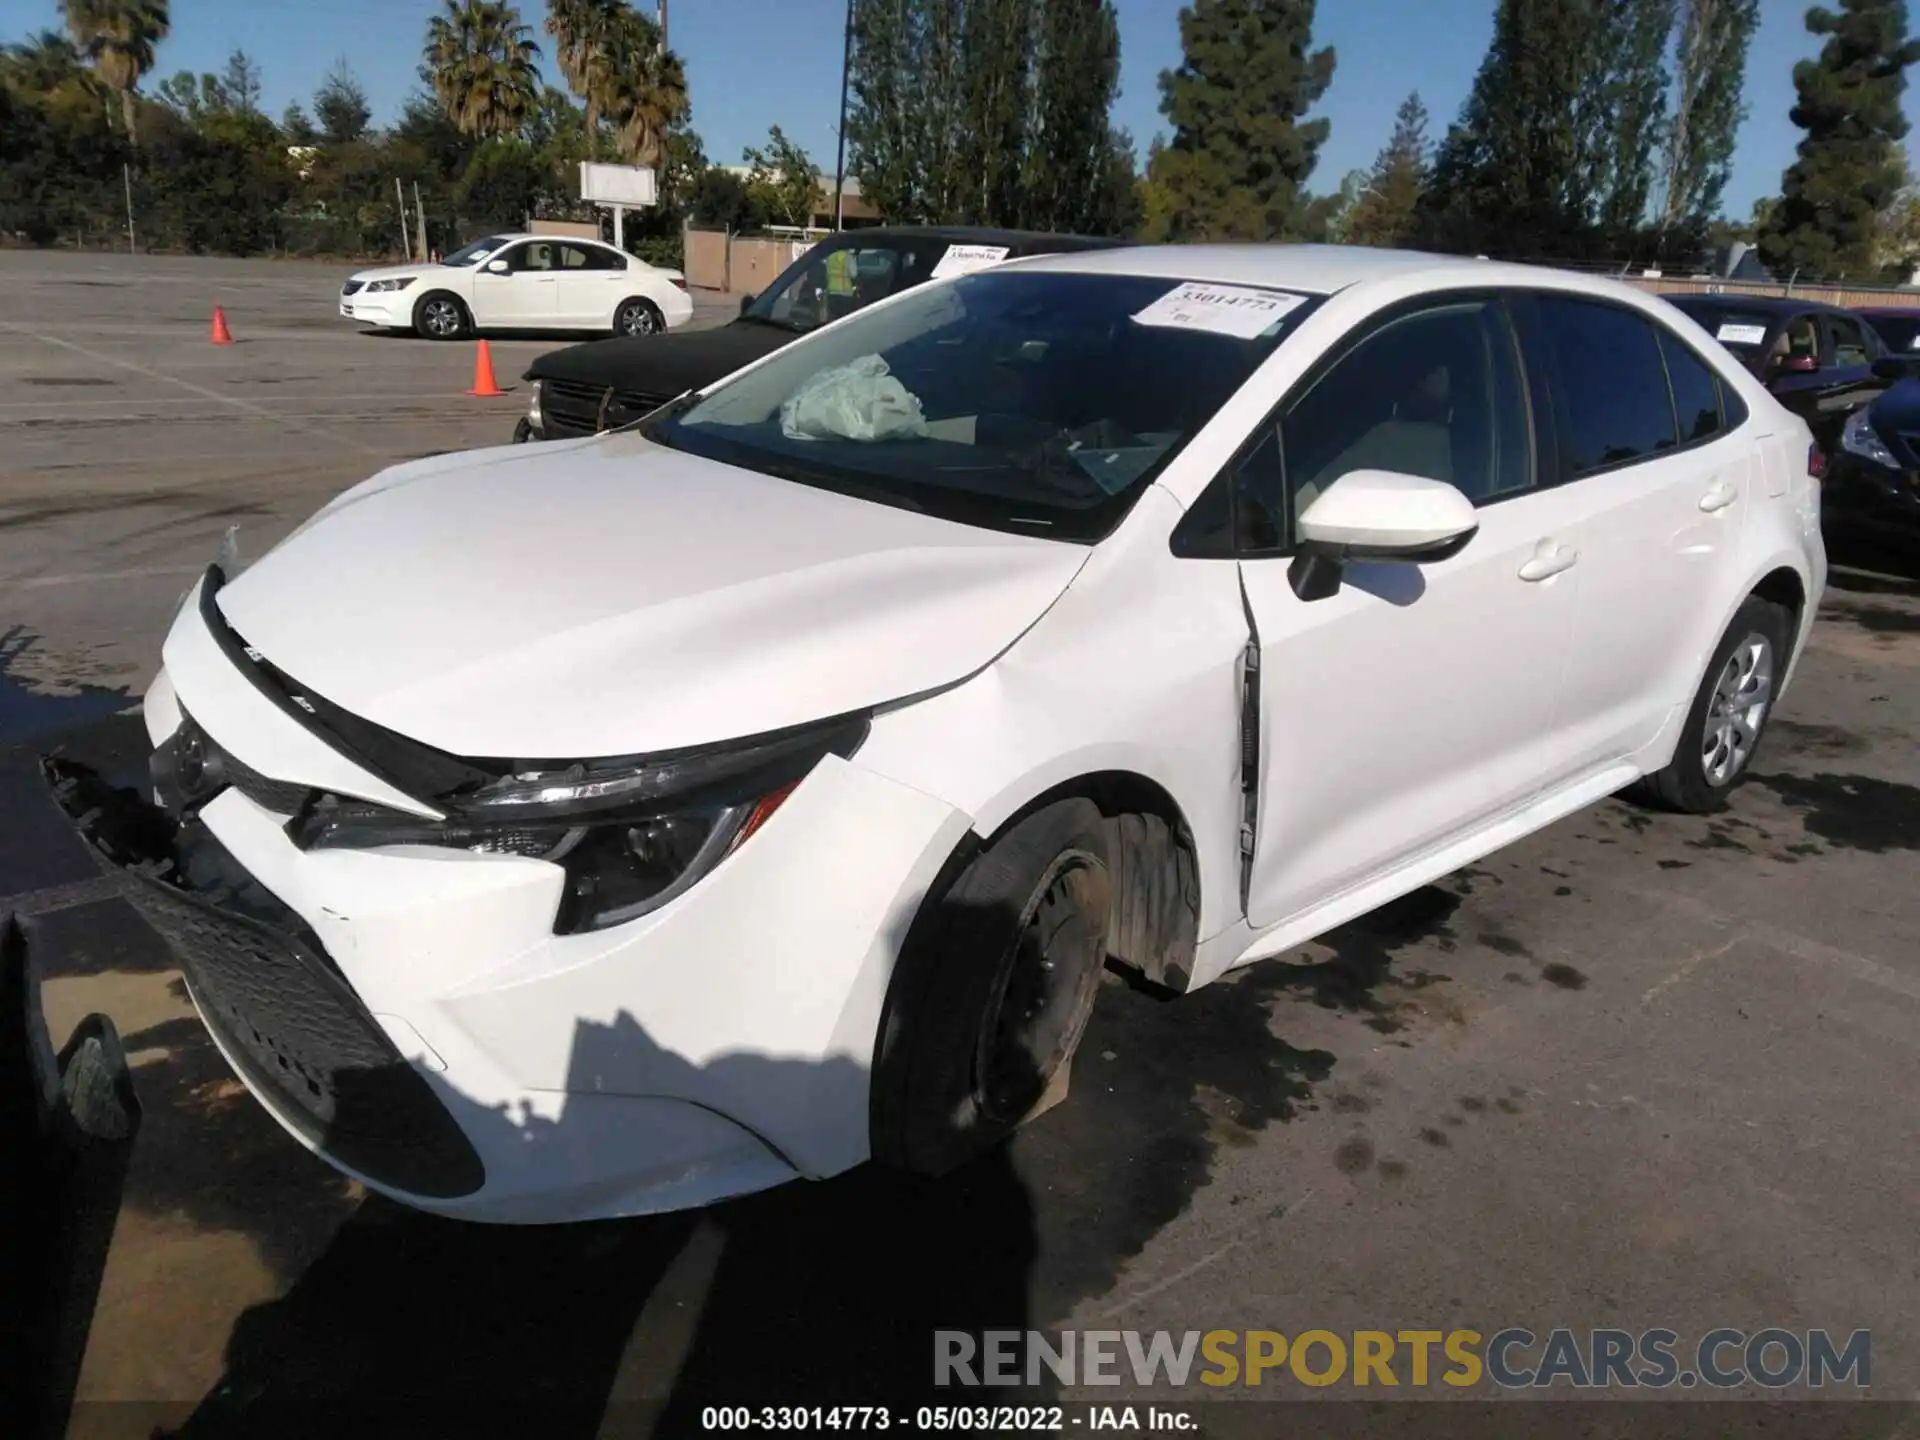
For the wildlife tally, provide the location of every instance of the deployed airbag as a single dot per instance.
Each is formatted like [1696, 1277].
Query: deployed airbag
[860, 401]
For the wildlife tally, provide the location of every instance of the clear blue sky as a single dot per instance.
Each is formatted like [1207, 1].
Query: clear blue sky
[753, 63]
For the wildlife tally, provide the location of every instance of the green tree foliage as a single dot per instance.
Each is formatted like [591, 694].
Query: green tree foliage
[1507, 176]
[641, 86]
[1621, 112]
[1386, 211]
[1074, 156]
[989, 112]
[481, 60]
[1242, 147]
[582, 31]
[782, 181]
[118, 38]
[340, 106]
[1848, 169]
[1707, 108]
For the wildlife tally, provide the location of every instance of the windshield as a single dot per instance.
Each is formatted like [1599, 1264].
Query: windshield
[476, 252]
[1743, 331]
[1900, 333]
[828, 283]
[1034, 402]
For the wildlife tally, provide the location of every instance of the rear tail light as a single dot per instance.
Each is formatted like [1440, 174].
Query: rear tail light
[680, 281]
[1816, 462]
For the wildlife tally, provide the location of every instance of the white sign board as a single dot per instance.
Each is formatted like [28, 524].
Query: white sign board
[965, 259]
[629, 185]
[1224, 309]
[1741, 334]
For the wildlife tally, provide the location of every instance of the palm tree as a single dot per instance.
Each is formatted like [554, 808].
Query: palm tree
[641, 85]
[481, 61]
[42, 63]
[118, 37]
[580, 31]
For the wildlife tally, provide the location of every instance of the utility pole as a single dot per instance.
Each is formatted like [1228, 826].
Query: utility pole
[126, 179]
[840, 158]
[663, 24]
[420, 220]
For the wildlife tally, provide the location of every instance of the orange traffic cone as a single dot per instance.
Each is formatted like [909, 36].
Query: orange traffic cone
[483, 383]
[221, 335]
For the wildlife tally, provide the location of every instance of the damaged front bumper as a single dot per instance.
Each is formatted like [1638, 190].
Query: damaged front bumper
[278, 1009]
[409, 1013]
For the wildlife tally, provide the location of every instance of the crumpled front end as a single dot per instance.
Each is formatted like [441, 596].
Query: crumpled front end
[415, 1014]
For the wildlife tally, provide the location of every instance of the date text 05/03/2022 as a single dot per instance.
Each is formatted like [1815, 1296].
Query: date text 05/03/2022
[946, 1419]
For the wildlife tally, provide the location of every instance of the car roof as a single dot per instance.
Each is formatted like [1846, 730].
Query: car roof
[1311, 269]
[1891, 312]
[1767, 304]
[981, 235]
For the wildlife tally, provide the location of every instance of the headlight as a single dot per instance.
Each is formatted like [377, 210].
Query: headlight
[1860, 438]
[383, 286]
[630, 834]
[534, 417]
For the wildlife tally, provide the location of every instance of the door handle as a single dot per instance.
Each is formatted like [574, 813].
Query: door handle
[1719, 496]
[1549, 560]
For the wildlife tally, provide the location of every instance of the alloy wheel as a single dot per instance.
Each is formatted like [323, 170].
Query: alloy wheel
[442, 318]
[1738, 710]
[638, 319]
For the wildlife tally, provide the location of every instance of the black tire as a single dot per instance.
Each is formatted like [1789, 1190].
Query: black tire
[1692, 783]
[992, 991]
[638, 316]
[428, 313]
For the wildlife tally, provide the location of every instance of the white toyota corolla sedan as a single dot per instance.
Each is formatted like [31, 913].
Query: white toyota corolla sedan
[521, 282]
[629, 822]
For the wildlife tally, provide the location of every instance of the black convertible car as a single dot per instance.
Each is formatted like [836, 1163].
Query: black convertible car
[604, 384]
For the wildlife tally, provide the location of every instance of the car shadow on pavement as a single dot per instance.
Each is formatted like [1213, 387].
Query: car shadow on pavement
[814, 1293]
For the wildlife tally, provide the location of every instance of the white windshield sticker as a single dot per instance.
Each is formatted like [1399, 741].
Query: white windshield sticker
[1223, 309]
[965, 259]
[1741, 334]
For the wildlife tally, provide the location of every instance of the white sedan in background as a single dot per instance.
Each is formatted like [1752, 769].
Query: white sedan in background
[521, 282]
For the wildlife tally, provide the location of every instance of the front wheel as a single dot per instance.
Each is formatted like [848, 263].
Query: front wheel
[991, 996]
[1729, 713]
[638, 317]
[440, 316]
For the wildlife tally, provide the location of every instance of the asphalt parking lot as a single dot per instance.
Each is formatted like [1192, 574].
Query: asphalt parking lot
[1638, 1071]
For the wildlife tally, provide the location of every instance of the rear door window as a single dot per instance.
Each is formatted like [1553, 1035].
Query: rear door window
[1613, 401]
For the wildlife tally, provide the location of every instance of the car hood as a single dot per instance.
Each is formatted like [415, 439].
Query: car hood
[611, 597]
[663, 365]
[398, 272]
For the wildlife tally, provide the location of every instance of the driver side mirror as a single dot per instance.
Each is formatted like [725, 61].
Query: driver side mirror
[746, 303]
[499, 267]
[1381, 516]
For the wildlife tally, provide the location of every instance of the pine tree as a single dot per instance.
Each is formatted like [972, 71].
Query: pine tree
[1242, 148]
[1385, 212]
[1509, 175]
[1707, 108]
[1070, 159]
[1847, 171]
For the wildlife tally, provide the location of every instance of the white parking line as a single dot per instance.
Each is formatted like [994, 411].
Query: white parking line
[258, 411]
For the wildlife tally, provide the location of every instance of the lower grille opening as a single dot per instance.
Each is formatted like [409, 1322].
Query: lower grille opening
[273, 999]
